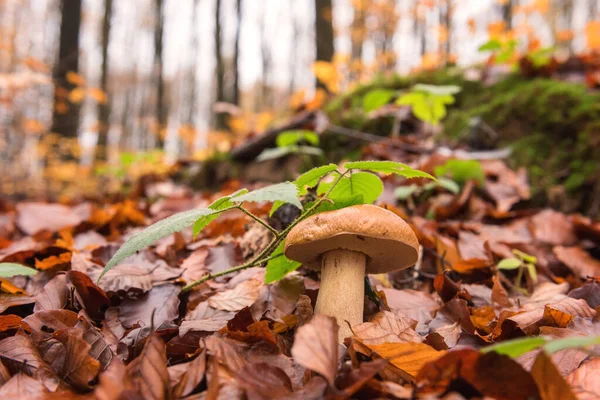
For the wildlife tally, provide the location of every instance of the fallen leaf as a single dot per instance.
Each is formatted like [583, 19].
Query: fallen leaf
[9, 324]
[386, 327]
[261, 381]
[243, 295]
[154, 308]
[53, 296]
[412, 304]
[186, 377]
[466, 370]
[590, 292]
[148, 372]
[579, 260]
[22, 386]
[316, 346]
[205, 318]
[584, 381]
[90, 296]
[554, 228]
[550, 382]
[79, 368]
[408, 357]
[35, 217]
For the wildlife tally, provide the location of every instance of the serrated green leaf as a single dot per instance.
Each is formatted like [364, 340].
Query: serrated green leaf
[509, 263]
[411, 98]
[553, 346]
[8, 270]
[444, 183]
[151, 234]
[288, 138]
[279, 265]
[286, 192]
[341, 202]
[376, 98]
[310, 178]
[516, 347]
[437, 90]
[388, 167]
[364, 183]
[218, 205]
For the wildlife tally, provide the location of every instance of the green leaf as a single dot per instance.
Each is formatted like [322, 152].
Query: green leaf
[8, 270]
[492, 45]
[404, 192]
[218, 205]
[444, 183]
[310, 178]
[376, 98]
[532, 272]
[411, 98]
[437, 90]
[509, 263]
[279, 265]
[364, 183]
[462, 171]
[286, 192]
[388, 167]
[516, 347]
[342, 202]
[288, 138]
[524, 256]
[151, 234]
[276, 152]
[553, 346]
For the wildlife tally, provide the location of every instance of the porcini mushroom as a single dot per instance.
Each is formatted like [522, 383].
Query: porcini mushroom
[344, 245]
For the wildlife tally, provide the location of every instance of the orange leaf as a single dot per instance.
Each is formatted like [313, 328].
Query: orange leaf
[327, 74]
[77, 95]
[53, 261]
[409, 357]
[592, 35]
[75, 79]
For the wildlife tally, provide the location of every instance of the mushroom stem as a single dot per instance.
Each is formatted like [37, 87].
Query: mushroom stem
[342, 292]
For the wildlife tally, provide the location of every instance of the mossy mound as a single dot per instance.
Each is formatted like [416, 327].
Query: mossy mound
[552, 126]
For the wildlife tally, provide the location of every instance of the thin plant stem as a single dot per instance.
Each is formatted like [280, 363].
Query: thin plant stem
[265, 254]
[260, 221]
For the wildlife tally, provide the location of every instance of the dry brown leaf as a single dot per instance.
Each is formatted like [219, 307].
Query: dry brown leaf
[550, 382]
[242, 295]
[444, 337]
[386, 327]
[53, 296]
[412, 304]
[35, 217]
[590, 292]
[579, 260]
[261, 381]
[205, 318]
[8, 300]
[316, 346]
[584, 381]
[186, 377]
[156, 307]
[148, 372]
[79, 368]
[499, 294]
[554, 228]
[22, 386]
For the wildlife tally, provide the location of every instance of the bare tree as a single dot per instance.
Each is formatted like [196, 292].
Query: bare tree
[236, 56]
[161, 107]
[266, 61]
[507, 13]
[104, 107]
[220, 70]
[324, 30]
[65, 121]
[446, 22]
[194, 50]
[358, 29]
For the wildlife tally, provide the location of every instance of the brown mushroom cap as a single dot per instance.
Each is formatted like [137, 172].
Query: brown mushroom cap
[388, 241]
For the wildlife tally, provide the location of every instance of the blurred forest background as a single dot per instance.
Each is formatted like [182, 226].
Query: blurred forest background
[85, 82]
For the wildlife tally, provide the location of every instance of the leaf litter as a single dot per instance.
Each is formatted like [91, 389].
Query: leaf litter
[134, 334]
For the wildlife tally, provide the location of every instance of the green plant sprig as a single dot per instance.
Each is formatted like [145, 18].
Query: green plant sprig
[359, 184]
[267, 252]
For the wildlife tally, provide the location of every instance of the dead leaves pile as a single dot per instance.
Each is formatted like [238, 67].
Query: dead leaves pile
[136, 336]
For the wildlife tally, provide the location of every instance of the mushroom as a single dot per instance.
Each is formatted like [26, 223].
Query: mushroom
[344, 244]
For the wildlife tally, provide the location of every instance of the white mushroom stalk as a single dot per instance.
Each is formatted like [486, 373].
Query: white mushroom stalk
[345, 245]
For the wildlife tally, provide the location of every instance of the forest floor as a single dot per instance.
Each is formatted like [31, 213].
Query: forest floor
[495, 267]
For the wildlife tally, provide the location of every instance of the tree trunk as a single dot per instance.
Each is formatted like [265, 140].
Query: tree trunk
[161, 108]
[265, 50]
[192, 91]
[358, 30]
[446, 20]
[65, 120]
[324, 31]
[220, 118]
[507, 13]
[236, 56]
[104, 107]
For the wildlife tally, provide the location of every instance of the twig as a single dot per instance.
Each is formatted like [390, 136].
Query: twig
[260, 221]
